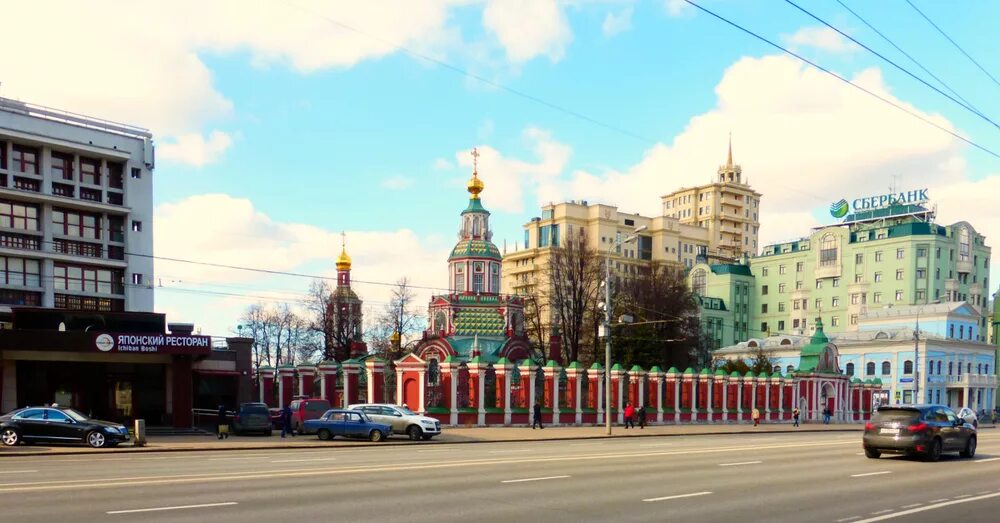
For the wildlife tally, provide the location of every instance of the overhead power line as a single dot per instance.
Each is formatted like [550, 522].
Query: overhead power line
[892, 63]
[912, 59]
[954, 43]
[479, 78]
[842, 79]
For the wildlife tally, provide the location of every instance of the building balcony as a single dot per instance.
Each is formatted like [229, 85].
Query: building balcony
[971, 380]
[12, 240]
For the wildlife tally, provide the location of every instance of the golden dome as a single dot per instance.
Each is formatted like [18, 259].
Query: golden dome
[343, 261]
[475, 185]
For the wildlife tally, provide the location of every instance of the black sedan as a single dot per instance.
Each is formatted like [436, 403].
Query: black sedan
[924, 430]
[58, 425]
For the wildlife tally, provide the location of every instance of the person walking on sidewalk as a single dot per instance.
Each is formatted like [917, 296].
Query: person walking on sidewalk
[826, 416]
[795, 417]
[286, 421]
[641, 413]
[629, 416]
[756, 416]
[536, 416]
[223, 424]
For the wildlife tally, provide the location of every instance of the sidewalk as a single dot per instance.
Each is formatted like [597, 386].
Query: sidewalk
[450, 435]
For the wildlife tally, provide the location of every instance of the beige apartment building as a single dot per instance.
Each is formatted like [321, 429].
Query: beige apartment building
[605, 228]
[728, 208]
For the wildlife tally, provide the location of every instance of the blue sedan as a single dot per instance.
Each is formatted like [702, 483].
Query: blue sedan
[346, 423]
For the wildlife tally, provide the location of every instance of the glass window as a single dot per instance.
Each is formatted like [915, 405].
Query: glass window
[899, 274]
[828, 251]
[886, 368]
[24, 159]
[31, 414]
[698, 282]
[870, 368]
[849, 369]
[907, 367]
[859, 258]
[878, 276]
[781, 307]
[877, 298]
[18, 215]
[899, 254]
[878, 256]
[835, 301]
[61, 166]
[90, 171]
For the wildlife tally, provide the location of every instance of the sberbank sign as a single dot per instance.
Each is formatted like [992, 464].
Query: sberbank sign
[840, 209]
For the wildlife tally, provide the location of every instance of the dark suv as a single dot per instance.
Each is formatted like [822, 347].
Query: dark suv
[252, 417]
[925, 430]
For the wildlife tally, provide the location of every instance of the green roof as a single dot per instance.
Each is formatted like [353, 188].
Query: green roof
[720, 372]
[596, 366]
[482, 321]
[502, 361]
[552, 364]
[734, 374]
[475, 205]
[655, 369]
[704, 371]
[673, 370]
[750, 374]
[688, 370]
[731, 268]
[617, 366]
[636, 368]
[476, 249]
[810, 353]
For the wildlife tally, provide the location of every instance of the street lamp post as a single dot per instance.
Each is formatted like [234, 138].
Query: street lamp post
[607, 325]
[916, 353]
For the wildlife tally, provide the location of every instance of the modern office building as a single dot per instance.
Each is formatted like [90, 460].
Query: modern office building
[728, 207]
[76, 211]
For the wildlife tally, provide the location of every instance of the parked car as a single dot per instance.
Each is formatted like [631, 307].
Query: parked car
[252, 417]
[925, 430]
[59, 425]
[346, 423]
[402, 419]
[306, 409]
[970, 416]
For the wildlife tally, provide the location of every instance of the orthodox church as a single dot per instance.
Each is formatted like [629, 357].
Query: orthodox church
[474, 319]
[343, 314]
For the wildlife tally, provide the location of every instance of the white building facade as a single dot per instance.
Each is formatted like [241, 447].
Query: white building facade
[76, 211]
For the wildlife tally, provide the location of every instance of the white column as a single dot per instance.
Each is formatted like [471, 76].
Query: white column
[578, 404]
[347, 390]
[555, 398]
[781, 399]
[600, 398]
[506, 396]
[677, 399]
[659, 400]
[281, 392]
[480, 397]
[621, 408]
[767, 400]
[399, 387]
[531, 391]
[423, 393]
[709, 386]
[725, 399]
[739, 400]
[453, 417]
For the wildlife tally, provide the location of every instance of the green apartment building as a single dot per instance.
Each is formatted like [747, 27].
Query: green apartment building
[886, 257]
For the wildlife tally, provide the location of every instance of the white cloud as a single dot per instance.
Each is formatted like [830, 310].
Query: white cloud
[221, 229]
[803, 138]
[617, 23]
[528, 28]
[676, 7]
[442, 164]
[508, 180]
[822, 38]
[397, 183]
[194, 149]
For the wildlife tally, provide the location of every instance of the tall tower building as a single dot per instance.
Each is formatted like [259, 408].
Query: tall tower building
[344, 334]
[729, 208]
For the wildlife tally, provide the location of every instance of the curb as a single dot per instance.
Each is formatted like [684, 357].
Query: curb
[147, 450]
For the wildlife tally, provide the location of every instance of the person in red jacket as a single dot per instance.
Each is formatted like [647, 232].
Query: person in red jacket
[629, 415]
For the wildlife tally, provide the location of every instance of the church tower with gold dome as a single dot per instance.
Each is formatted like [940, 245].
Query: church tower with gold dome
[474, 309]
[344, 331]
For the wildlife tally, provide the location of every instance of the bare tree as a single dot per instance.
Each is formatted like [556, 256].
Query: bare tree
[320, 315]
[574, 275]
[401, 316]
[534, 319]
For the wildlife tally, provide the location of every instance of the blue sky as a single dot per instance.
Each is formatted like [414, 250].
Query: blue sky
[279, 128]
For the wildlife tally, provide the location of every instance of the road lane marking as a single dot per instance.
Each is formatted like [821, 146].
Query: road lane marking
[886, 511]
[938, 500]
[17, 471]
[740, 463]
[302, 460]
[860, 454]
[913, 505]
[852, 518]
[928, 507]
[963, 496]
[112, 482]
[871, 474]
[179, 507]
[985, 460]
[678, 496]
[983, 492]
[532, 479]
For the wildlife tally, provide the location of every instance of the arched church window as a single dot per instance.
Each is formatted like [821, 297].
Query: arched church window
[494, 277]
[477, 226]
[477, 277]
[907, 367]
[870, 368]
[698, 282]
[433, 372]
[789, 369]
[459, 277]
[828, 250]
[886, 368]
[850, 369]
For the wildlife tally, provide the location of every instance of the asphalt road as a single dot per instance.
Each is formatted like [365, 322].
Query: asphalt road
[746, 477]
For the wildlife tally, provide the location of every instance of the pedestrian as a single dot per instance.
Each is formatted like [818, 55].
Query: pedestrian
[286, 421]
[755, 414]
[536, 416]
[223, 425]
[629, 416]
[795, 417]
[826, 416]
[642, 416]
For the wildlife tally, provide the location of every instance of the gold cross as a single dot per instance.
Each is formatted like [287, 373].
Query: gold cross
[475, 159]
[343, 240]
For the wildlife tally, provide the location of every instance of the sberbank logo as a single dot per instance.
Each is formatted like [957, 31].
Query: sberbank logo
[839, 209]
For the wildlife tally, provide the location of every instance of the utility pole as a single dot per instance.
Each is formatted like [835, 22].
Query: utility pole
[607, 326]
[916, 361]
